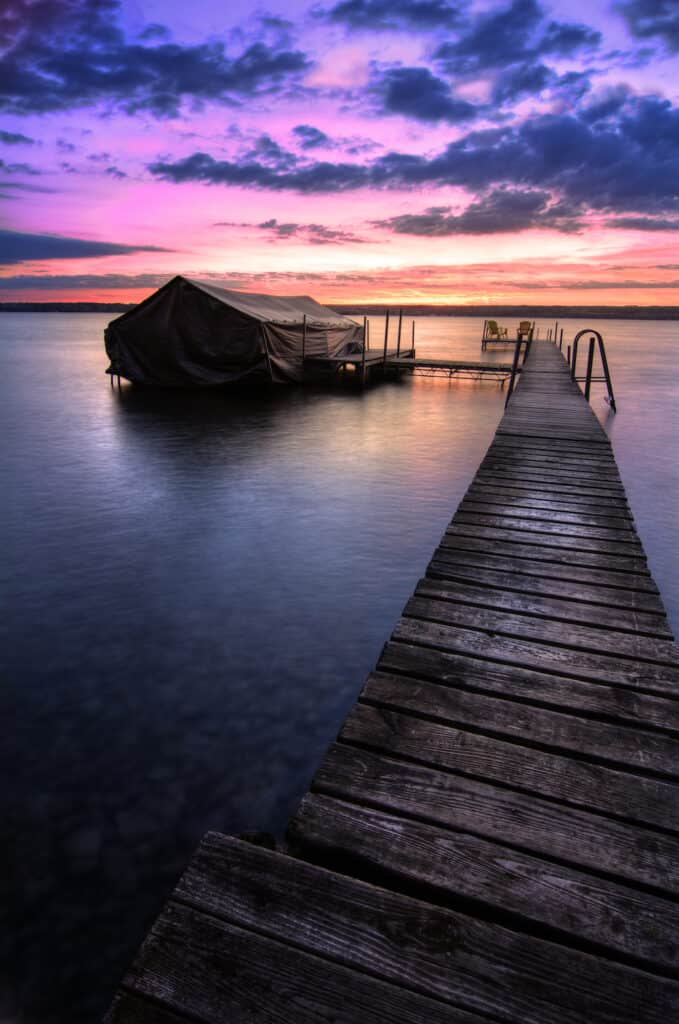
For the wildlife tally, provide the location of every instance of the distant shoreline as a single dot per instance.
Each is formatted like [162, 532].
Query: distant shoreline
[379, 309]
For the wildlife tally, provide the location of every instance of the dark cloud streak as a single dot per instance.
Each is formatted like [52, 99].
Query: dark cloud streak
[18, 247]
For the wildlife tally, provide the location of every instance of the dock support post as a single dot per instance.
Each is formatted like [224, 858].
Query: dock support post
[515, 366]
[398, 337]
[483, 338]
[556, 331]
[303, 342]
[365, 341]
[568, 355]
[561, 340]
[386, 336]
[412, 342]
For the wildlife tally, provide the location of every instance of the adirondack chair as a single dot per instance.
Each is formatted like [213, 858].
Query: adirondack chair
[524, 330]
[493, 331]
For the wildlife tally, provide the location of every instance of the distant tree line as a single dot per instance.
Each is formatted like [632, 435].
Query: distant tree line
[379, 309]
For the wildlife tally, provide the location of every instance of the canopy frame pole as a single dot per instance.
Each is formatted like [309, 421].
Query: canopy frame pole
[268, 357]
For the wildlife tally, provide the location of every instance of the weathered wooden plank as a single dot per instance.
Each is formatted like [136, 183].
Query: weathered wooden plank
[567, 492]
[594, 555]
[543, 657]
[573, 449]
[572, 539]
[628, 748]
[529, 823]
[571, 611]
[554, 456]
[614, 509]
[443, 566]
[418, 948]
[636, 647]
[213, 971]
[561, 777]
[551, 512]
[605, 475]
[529, 685]
[466, 551]
[462, 867]
[546, 527]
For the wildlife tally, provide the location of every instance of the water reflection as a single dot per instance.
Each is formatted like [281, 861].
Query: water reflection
[196, 587]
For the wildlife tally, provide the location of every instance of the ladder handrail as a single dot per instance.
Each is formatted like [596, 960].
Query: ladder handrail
[588, 378]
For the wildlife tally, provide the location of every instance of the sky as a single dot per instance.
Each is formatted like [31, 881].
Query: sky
[398, 151]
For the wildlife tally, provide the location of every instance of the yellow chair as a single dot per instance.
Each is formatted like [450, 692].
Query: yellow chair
[494, 332]
[524, 331]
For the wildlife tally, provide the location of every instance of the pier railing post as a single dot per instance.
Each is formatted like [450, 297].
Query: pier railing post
[386, 335]
[398, 337]
[303, 340]
[607, 375]
[590, 364]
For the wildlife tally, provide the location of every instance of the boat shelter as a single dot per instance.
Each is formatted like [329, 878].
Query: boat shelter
[191, 333]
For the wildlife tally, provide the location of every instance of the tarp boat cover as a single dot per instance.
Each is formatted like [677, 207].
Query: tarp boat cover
[190, 333]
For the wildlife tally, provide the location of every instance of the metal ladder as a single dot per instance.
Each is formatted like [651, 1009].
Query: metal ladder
[588, 378]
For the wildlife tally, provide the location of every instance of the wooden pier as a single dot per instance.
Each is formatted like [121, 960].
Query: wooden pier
[495, 834]
[367, 365]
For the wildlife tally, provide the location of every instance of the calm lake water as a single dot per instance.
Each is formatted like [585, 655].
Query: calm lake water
[195, 587]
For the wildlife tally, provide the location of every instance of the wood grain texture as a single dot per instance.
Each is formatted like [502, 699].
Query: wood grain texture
[574, 554]
[561, 777]
[528, 685]
[545, 657]
[572, 610]
[462, 552]
[529, 823]
[629, 748]
[415, 946]
[435, 605]
[446, 567]
[459, 866]
[213, 971]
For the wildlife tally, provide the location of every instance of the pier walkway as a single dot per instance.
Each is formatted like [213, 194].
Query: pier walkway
[494, 837]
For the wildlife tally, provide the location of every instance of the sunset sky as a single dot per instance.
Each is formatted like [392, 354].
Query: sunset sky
[355, 150]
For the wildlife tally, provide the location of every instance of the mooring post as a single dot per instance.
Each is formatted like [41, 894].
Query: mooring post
[412, 341]
[568, 355]
[386, 335]
[561, 340]
[303, 340]
[556, 331]
[398, 338]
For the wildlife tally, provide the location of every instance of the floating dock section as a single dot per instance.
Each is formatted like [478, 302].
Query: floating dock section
[495, 834]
